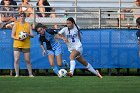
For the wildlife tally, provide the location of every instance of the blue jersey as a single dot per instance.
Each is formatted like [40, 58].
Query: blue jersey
[53, 47]
[49, 39]
[138, 33]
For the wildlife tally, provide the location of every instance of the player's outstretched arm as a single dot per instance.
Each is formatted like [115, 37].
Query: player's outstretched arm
[60, 36]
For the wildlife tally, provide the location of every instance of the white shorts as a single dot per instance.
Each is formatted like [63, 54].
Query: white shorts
[79, 49]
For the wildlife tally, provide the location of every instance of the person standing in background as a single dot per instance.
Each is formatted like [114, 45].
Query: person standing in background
[22, 45]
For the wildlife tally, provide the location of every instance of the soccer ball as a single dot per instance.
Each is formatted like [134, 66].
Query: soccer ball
[22, 35]
[62, 73]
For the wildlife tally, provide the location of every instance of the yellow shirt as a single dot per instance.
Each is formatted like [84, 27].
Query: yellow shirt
[19, 28]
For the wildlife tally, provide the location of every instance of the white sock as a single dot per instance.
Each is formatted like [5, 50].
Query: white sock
[72, 66]
[91, 69]
[29, 69]
[16, 69]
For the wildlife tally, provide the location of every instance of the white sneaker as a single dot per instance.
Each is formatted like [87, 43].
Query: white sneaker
[31, 75]
[98, 74]
[16, 75]
[70, 74]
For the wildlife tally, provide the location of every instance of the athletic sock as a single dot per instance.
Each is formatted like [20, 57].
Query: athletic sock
[55, 69]
[91, 69]
[72, 66]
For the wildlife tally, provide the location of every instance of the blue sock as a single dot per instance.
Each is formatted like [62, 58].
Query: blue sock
[55, 69]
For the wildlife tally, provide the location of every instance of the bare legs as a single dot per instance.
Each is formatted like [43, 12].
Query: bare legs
[79, 58]
[27, 60]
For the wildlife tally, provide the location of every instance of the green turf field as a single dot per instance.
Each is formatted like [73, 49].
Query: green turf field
[76, 84]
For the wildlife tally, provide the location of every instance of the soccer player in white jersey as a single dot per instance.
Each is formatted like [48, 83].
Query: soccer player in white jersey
[71, 37]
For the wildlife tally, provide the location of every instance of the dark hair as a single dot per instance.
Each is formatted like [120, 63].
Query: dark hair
[138, 21]
[38, 26]
[2, 2]
[24, 14]
[73, 21]
[12, 2]
[23, 0]
[45, 3]
[137, 0]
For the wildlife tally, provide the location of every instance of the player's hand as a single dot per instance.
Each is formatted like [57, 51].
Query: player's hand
[19, 39]
[65, 39]
[44, 52]
[28, 35]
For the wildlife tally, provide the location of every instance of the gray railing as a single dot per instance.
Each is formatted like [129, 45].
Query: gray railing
[87, 17]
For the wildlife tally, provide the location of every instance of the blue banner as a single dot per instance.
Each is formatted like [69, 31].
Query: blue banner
[103, 48]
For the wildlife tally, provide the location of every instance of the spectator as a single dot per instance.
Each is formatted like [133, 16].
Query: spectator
[42, 9]
[26, 7]
[135, 10]
[12, 2]
[137, 5]
[7, 18]
[22, 45]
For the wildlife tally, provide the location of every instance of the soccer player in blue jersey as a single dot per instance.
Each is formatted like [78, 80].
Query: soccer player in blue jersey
[53, 47]
[138, 32]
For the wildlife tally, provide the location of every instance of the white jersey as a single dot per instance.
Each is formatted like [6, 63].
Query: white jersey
[73, 39]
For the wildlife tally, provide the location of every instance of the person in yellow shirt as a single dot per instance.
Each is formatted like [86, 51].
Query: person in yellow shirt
[21, 45]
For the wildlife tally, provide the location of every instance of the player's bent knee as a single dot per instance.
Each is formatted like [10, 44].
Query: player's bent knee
[72, 57]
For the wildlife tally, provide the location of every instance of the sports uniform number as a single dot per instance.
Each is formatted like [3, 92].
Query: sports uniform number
[73, 40]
